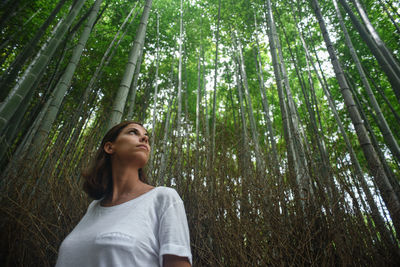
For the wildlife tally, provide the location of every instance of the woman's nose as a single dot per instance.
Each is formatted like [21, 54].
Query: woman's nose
[145, 138]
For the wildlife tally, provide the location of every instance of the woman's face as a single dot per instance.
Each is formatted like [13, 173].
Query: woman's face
[131, 146]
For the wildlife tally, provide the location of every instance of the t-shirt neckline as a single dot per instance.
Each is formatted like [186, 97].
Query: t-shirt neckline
[133, 200]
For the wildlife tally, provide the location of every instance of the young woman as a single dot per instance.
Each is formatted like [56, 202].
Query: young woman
[130, 223]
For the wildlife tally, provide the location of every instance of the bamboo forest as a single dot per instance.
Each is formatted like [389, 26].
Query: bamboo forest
[277, 122]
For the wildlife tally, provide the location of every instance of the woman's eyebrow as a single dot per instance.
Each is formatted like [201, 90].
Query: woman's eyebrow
[133, 128]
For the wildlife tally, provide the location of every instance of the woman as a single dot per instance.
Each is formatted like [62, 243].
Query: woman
[130, 223]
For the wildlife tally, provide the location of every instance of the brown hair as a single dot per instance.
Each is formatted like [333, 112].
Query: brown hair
[98, 177]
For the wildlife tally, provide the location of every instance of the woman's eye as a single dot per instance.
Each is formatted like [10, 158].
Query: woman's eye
[133, 131]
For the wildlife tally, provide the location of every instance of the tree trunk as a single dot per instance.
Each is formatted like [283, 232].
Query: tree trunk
[198, 101]
[382, 94]
[392, 75]
[120, 99]
[65, 82]
[177, 149]
[301, 188]
[7, 139]
[375, 36]
[394, 10]
[359, 174]
[206, 110]
[390, 16]
[245, 165]
[23, 147]
[107, 56]
[153, 125]
[389, 173]
[299, 139]
[383, 125]
[11, 104]
[323, 163]
[164, 152]
[213, 123]
[253, 126]
[285, 123]
[134, 86]
[11, 73]
[270, 129]
[374, 164]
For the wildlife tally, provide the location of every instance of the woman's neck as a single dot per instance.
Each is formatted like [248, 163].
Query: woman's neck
[126, 185]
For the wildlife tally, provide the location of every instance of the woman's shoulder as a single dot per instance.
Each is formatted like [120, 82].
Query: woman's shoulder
[167, 195]
[92, 203]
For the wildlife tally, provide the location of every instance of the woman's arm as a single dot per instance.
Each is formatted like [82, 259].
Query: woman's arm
[173, 232]
[175, 261]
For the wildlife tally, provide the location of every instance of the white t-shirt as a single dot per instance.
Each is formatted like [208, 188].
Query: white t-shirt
[135, 233]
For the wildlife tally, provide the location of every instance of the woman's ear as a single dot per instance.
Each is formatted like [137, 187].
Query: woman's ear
[108, 148]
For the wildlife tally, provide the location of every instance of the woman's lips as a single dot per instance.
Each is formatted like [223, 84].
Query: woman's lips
[144, 147]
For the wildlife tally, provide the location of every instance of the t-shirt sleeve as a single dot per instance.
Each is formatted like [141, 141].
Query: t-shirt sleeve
[174, 232]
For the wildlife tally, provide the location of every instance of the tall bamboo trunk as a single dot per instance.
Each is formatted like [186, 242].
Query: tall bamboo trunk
[301, 189]
[179, 114]
[285, 123]
[358, 172]
[198, 101]
[388, 170]
[392, 7]
[392, 75]
[7, 139]
[244, 155]
[378, 88]
[153, 124]
[213, 118]
[323, 162]
[299, 138]
[270, 129]
[383, 125]
[22, 89]
[374, 164]
[11, 73]
[65, 82]
[90, 94]
[375, 36]
[178, 147]
[253, 126]
[395, 24]
[134, 86]
[206, 109]
[107, 56]
[164, 152]
[120, 99]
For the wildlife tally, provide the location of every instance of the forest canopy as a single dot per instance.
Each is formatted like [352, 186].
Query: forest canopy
[276, 121]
